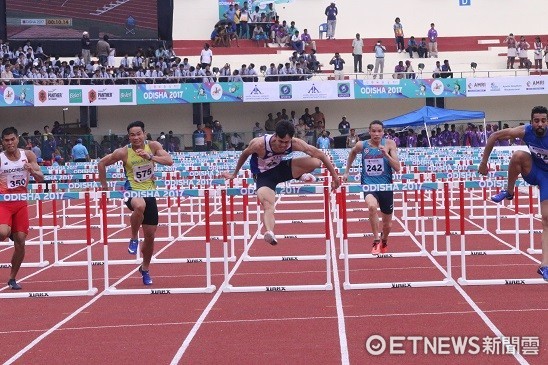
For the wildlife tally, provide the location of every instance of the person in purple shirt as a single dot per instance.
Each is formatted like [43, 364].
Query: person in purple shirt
[440, 142]
[433, 139]
[455, 136]
[482, 136]
[471, 136]
[411, 138]
[445, 136]
[433, 41]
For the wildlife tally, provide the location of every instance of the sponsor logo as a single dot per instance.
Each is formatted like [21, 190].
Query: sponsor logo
[92, 96]
[313, 90]
[514, 282]
[76, 96]
[290, 258]
[9, 95]
[478, 253]
[437, 87]
[126, 95]
[160, 291]
[42, 96]
[216, 92]
[384, 255]
[97, 263]
[193, 260]
[275, 288]
[401, 285]
[36, 295]
[343, 90]
[286, 91]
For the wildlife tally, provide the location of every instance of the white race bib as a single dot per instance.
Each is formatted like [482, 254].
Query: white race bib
[374, 166]
[143, 172]
[16, 180]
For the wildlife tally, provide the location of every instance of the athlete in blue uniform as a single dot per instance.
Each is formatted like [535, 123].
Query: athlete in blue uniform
[270, 166]
[532, 166]
[379, 160]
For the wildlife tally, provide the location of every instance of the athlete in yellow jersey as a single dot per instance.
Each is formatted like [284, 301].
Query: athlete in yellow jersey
[139, 158]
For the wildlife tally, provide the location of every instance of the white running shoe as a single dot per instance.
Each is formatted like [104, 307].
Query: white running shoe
[270, 238]
[307, 178]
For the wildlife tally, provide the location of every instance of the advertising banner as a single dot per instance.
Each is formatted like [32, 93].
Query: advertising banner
[409, 88]
[16, 95]
[189, 93]
[298, 90]
[498, 86]
[84, 95]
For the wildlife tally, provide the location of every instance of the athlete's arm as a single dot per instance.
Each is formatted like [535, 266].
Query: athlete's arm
[516, 132]
[390, 151]
[300, 145]
[118, 155]
[351, 157]
[159, 155]
[32, 167]
[255, 146]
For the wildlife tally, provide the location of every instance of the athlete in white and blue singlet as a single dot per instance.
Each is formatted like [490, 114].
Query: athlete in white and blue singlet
[532, 166]
[379, 160]
[270, 166]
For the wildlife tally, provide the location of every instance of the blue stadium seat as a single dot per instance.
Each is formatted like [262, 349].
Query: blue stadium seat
[322, 29]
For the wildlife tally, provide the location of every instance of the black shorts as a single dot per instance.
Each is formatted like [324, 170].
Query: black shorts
[151, 211]
[274, 176]
[385, 199]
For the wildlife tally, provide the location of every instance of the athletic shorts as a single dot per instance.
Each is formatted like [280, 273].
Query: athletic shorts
[274, 176]
[385, 199]
[16, 215]
[151, 211]
[539, 177]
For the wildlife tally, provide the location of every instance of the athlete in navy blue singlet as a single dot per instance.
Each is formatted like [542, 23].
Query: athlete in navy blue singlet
[532, 166]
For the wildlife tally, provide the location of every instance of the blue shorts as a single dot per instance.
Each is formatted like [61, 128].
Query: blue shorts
[385, 200]
[539, 177]
[274, 176]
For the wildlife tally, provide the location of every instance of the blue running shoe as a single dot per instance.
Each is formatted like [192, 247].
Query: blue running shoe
[543, 271]
[14, 286]
[133, 246]
[147, 280]
[504, 194]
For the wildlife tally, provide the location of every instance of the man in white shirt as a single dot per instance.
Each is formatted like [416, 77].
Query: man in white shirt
[206, 56]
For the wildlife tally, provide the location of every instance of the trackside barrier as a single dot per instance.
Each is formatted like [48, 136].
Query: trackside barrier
[295, 190]
[58, 293]
[208, 288]
[347, 256]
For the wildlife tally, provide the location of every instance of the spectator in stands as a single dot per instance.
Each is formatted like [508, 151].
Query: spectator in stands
[103, 50]
[296, 42]
[433, 41]
[436, 73]
[218, 136]
[446, 70]
[7, 75]
[86, 47]
[300, 130]
[259, 34]
[538, 48]
[244, 19]
[57, 129]
[230, 13]
[338, 65]
[235, 77]
[344, 126]
[282, 37]
[271, 13]
[323, 142]
[317, 116]
[36, 149]
[409, 71]
[357, 53]
[399, 71]
[270, 123]
[379, 59]
[236, 142]
[206, 56]
[331, 12]
[271, 73]
[198, 137]
[231, 35]
[352, 138]
[398, 34]
[307, 40]
[511, 52]
[412, 46]
[257, 130]
[523, 46]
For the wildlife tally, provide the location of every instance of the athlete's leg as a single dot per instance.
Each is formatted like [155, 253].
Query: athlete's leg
[138, 205]
[520, 163]
[18, 253]
[303, 165]
[147, 248]
[5, 231]
[267, 198]
[372, 205]
[386, 225]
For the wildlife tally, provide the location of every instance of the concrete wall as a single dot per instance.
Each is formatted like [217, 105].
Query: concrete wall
[195, 19]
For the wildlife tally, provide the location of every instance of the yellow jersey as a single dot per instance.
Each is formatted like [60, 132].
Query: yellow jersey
[139, 171]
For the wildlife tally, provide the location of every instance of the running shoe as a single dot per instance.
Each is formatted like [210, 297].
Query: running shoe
[14, 286]
[147, 280]
[133, 246]
[270, 238]
[307, 178]
[504, 194]
[376, 247]
[543, 271]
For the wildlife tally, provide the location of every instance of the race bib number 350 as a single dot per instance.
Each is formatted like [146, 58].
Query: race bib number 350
[16, 181]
